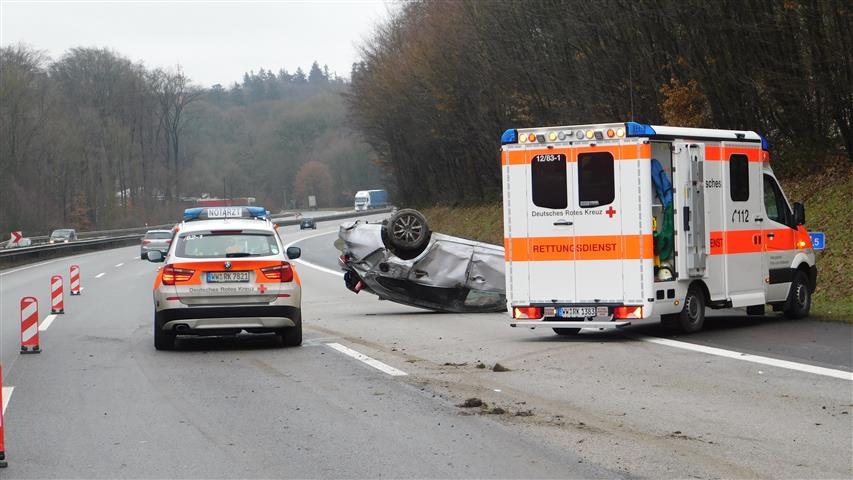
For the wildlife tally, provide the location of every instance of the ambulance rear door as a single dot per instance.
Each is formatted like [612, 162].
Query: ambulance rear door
[613, 251]
[551, 226]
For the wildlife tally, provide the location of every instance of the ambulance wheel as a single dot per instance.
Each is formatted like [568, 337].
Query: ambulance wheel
[799, 298]
[408, 233]
[163, 340]
[565, 332]
[692, 316]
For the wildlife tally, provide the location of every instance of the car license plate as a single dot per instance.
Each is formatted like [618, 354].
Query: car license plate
[575, 312]
[227, 277]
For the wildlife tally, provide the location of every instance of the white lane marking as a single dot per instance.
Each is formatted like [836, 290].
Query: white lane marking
[365, 359]
[45, 324]
[7, 395]
[119, 264]
[311, 265]
[48, 262]
[100, 275]
[774, 362]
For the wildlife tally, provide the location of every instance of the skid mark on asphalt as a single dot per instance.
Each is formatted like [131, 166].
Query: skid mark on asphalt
[774, 362]
[367, 360]
[7, 394]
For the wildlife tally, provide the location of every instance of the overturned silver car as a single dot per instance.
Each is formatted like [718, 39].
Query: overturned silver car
[401, 260]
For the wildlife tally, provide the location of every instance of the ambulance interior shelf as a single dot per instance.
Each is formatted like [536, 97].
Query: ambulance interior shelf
[664, 227]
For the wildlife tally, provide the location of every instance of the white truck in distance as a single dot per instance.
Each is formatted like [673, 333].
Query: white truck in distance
[370, 199]
[612, 223]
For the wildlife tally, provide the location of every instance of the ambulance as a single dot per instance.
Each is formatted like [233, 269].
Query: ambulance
[609, 224]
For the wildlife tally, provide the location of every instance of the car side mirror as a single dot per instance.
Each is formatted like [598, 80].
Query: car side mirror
[799, 214]
[155, 256]
[294, 252]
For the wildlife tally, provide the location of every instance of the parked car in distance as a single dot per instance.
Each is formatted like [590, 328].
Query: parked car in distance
[159, 240]
[307, 223]
[63, 235]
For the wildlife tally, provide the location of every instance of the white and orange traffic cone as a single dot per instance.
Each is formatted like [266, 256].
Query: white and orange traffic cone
[30, 325]
[2, 443]
[56, 303]
[75, 280]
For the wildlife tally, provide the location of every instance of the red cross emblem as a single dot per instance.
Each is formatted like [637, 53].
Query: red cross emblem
[610, 212]
[262, 288]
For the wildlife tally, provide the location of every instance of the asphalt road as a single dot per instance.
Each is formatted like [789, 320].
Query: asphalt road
[100, 402]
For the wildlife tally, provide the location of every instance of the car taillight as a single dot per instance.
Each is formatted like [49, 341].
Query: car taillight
[533, 313]
[283, 273]
[627, 312]
[146, 242]
[172, 275]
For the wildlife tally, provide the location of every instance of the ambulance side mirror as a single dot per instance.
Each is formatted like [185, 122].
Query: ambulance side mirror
[799, 214]
[155, 256]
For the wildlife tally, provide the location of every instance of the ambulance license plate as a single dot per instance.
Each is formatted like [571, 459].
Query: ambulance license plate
[575, 312]
[227, 277]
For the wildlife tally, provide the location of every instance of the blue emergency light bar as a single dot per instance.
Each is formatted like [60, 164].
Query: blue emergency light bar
[634, 129]
[216, 213]
[509, 136]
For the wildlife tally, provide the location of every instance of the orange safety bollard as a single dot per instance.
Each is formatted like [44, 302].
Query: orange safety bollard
[75, 280]
[2, 443]
[30, 325]
[56, 303]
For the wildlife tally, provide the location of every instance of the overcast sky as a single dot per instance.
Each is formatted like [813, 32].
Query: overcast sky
[213, 41]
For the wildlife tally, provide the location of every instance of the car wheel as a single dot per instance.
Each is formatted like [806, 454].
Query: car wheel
[565, 332]
[143, 255]
[799, 297]
[692, 315]
[292, 336]
[163, 339]
[408, 231]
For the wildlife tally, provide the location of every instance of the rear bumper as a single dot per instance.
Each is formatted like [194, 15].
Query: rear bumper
[569, 324]
[242, 311]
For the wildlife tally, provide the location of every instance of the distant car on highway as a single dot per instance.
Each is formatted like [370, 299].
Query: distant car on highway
[402, 261]
[155, 240]
[63, 235]
[307, 223]
[227, 272]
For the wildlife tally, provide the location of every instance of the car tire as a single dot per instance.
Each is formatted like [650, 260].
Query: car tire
[799, 301]
[692, 315]
[163, 340]
[565, 332]
[408, 232]
[292, 336]
[143, 256]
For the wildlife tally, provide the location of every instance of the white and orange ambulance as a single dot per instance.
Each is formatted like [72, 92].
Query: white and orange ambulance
[610, 224]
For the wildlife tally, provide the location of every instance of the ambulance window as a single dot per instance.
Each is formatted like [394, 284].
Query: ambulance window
[775, 204]
[595, 179]
[548, 175]
[739, 177]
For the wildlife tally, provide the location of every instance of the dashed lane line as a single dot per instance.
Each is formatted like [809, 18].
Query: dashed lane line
[45, 324]
[368, 360]
[100, 275]
[119, 264]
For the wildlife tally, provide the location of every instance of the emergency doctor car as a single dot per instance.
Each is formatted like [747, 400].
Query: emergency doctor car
[612, 223]
[226, 272]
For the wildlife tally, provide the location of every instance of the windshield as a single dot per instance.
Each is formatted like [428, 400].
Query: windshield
[61, 234]
[229, 245]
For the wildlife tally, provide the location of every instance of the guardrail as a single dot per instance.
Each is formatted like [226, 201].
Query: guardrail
[11, 257]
